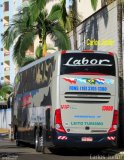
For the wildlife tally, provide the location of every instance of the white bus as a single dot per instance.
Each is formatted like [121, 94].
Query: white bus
[68, 100]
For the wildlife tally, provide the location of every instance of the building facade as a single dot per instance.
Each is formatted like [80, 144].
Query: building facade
[7, 68]
[85, 9]
[99, 27]
[6, 62]
[1, 45]
[100, 31]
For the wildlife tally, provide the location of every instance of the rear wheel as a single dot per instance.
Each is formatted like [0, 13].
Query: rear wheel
[18, 143]
[121, 115]
[39, 142]
[121, 127]
[55, 150]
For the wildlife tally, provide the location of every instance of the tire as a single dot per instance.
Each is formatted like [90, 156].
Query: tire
[15, 132]
[121, 127]
[55, 150]
[18, 143]
[39, 142]
[121, 114]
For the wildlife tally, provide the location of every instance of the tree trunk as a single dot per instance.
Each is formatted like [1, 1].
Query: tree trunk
[74, 14]
[44, 48]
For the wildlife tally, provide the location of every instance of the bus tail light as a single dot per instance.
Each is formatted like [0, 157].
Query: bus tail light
[63, 52]
[88, 51]
[58, 121]
[110, 53]
[114, 122]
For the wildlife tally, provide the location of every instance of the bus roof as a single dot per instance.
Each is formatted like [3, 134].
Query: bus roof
[37, 61]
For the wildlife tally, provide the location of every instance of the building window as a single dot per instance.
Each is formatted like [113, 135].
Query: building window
[1, 78]
[6, 6]
[1, 5]
[1, 49]
[7, 69]
[1, 20]
[1, 63]
[6, 24]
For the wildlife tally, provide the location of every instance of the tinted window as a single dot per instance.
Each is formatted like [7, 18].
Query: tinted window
[38, 76]
[92, 63]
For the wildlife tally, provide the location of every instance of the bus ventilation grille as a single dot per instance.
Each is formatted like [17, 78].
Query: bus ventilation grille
[87, 97]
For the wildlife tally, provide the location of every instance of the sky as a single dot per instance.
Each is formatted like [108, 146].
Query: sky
[68, 2]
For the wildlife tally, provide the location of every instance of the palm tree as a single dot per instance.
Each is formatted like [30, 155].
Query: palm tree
[26, 60]
[24, 29]
[5, 90]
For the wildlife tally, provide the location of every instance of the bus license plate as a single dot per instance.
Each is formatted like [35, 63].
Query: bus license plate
[86, 139]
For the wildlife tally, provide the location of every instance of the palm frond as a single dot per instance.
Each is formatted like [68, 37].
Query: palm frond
[26, 41]
[17, 27]
[17, 56]
[94, 4]
[64, 12]
[9, 36]
[39, 51]
[40, 4]
[23, 42]
[6, 39]
[36, 6]
[27, 60]
[59, 36]
[5, 89]
[55, 13]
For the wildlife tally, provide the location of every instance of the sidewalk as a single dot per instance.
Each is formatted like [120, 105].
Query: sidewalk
[4, 133]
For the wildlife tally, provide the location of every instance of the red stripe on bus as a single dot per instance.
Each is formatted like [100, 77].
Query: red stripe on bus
[87, 73]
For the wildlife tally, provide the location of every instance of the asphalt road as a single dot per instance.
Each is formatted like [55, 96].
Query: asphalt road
[9, 151]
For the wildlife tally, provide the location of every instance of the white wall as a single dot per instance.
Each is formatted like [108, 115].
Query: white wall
[5, 118]
[85, 9]
[101, 26]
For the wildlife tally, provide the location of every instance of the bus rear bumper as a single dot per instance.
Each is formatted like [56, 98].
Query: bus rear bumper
[84, 140]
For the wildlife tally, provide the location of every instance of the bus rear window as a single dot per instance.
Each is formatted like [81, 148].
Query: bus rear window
[87, 63]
